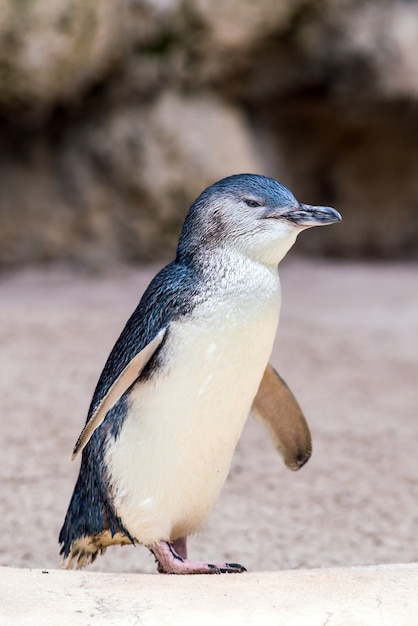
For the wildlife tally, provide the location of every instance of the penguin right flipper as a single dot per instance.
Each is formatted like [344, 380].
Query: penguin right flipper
[122, 383]
[277, 409]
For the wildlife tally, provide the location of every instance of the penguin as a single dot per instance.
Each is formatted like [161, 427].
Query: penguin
[190, 365]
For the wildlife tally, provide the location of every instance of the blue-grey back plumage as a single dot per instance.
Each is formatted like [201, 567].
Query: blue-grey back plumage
[169, 296]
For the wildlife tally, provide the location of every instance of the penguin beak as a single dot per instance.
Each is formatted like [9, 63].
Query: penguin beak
[306, 215]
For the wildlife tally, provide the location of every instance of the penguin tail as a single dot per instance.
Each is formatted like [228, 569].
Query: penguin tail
[91, 524]
[84, 550]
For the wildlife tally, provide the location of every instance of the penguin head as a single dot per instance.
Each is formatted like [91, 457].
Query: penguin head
[255, 215]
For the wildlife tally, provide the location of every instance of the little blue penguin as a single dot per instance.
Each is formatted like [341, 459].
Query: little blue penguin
[189, 366]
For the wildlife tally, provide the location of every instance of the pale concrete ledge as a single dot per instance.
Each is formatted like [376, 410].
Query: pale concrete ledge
[385, 595]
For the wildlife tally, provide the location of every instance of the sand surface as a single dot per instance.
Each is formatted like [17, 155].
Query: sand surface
[347, 345]
[383, 595]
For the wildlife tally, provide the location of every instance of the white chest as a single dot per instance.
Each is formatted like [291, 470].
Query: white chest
[176, 445]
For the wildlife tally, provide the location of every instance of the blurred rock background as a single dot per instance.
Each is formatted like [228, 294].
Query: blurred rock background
[115, 114]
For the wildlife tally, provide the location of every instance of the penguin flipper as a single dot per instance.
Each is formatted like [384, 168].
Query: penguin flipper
[122, 383]
[277, 409]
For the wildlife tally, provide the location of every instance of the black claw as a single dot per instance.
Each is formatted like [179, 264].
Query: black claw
[233, 568]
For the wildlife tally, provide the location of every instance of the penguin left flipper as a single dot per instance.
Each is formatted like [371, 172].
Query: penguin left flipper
[277, 409]
[122, 383]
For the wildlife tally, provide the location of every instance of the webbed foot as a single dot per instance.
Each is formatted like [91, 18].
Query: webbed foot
[171, 561]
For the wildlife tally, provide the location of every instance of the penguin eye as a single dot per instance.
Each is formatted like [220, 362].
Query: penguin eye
[252, 203]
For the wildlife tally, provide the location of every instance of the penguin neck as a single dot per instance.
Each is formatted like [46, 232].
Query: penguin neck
[227, 269]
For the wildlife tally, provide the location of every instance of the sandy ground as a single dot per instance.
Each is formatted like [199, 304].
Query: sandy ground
[347, 345]
[382, 595]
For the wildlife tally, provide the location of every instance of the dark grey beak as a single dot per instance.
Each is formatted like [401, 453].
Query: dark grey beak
[308, 215]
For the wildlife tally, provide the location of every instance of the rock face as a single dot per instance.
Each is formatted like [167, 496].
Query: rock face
[115, 114]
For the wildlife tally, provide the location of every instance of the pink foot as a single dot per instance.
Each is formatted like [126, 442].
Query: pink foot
[171, 561]
[180, 546]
